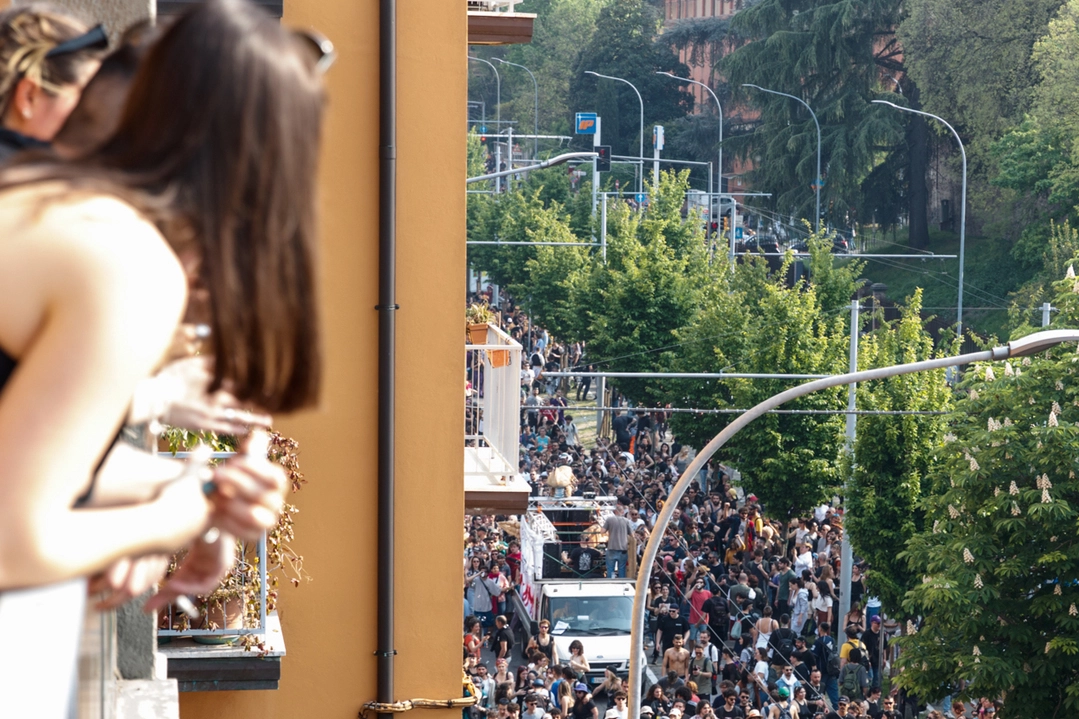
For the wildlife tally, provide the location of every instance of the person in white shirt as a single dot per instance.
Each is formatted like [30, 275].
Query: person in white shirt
[804, 560]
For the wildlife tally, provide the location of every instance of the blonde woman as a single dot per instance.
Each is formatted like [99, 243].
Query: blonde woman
[46, 58]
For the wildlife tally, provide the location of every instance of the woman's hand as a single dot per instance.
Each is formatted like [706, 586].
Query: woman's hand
[127, 578]
[249, 490]
[199, 572]
[178, 396]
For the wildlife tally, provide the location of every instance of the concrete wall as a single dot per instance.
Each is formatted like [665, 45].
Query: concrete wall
[329, 623]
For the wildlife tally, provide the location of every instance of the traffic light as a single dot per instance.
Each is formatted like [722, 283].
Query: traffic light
[603, 162]
[726, 223]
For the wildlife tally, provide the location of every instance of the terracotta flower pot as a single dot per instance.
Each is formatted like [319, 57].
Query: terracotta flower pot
[477, 334]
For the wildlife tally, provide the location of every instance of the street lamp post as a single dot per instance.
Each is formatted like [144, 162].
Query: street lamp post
[1026, 346]
[719, 110]
[640, 152]
[816, 182]
[535, 89]
[962, 209]
[498, 112]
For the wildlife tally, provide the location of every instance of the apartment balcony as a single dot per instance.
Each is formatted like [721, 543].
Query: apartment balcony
[496, 22]
[493, 483]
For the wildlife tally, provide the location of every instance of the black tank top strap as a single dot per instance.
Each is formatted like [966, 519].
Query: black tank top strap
[7, 366]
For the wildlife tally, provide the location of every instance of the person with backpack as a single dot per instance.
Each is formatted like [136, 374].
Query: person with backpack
[853, 643]
[854, 678]
[783, 707]
[826, 655]
[782, 640]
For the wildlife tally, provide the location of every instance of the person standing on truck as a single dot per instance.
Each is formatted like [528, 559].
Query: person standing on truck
[618, 529]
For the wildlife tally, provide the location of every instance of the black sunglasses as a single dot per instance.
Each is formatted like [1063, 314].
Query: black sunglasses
[93, 39]
[327, 55]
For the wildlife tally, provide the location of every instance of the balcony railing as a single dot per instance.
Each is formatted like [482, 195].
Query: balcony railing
[497, 22]
[493, 5]
[493, 421]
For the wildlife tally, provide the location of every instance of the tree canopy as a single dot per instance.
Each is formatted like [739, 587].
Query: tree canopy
[998, 555]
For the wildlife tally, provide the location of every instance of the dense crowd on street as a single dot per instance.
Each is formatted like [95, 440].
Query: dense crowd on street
[742, 608]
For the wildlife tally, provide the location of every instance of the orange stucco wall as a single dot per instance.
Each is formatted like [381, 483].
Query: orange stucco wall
[329, 623]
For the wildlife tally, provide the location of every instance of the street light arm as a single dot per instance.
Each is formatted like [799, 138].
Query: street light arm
[535, 89]
[962, 209]
[719, 110]
[816, 182]
[528, 168]
[640, 182]
[1036, 342]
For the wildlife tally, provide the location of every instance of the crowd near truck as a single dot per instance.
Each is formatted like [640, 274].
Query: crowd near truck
[563, 581]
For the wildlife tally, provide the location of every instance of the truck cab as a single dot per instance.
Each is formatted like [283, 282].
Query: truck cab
[595, 612]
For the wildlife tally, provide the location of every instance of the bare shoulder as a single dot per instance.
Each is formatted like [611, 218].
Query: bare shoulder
[92, 255]
[89, 237]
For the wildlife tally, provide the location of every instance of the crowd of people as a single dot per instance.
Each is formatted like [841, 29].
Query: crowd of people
[742, 609]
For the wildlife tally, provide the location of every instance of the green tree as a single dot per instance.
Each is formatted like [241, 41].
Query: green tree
[894, 453]
[624, 45]
[999, 555]
[833, 54]
[649, 286]
[750, 321]
[553, 276]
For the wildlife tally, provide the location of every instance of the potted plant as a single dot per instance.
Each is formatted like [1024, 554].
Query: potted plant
[477, 318]
[234, 604]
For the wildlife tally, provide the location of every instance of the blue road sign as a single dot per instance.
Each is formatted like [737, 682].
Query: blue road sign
[641, 198]
[737, 233]
[483, 129]
[585, 123]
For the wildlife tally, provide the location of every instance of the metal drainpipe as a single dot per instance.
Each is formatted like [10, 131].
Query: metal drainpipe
[387, 307]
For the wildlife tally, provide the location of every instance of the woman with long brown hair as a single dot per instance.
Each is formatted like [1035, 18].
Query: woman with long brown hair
[208, 186]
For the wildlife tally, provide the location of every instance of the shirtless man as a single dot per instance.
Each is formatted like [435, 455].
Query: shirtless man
[676, 659]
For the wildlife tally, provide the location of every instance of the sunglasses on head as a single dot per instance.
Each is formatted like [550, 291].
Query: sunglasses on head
[325, 50]
[93, 39]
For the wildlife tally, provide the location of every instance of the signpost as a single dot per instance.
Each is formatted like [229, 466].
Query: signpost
[657, 145]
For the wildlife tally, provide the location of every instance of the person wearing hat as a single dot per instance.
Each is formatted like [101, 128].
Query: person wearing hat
[753, 713]
[784, 707]
[646, 711]
[876, 646]
[840, 710]
[583, 706]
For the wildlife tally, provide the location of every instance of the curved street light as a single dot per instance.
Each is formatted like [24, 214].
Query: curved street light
[535, 89]
[498, 90]
[640, 152]
[816, 183]
[962, 209]
[719, 110]
[1023, 347]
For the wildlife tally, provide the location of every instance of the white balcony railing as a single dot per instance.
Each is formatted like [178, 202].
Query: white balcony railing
[492, 408]
[492, 5]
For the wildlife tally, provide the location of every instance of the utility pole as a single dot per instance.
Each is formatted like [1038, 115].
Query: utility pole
[847, 555]
[1046, 309]
[603, 229]
[596, 142]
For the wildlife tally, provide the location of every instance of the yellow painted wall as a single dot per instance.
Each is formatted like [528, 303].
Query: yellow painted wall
[329, 623]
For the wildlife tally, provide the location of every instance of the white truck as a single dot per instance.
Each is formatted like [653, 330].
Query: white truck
[583, 606]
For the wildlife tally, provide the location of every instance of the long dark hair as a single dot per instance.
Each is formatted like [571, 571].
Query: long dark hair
[217, 144]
